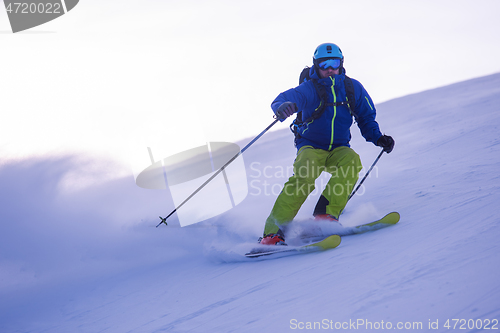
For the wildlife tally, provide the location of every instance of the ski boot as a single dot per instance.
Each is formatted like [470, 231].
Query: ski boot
[273, 239]
[326, 217]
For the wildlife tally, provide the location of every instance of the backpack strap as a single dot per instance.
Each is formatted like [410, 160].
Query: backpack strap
[323, 95]
[351, 98]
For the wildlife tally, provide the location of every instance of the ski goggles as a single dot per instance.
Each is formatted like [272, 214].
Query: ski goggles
[333, 63]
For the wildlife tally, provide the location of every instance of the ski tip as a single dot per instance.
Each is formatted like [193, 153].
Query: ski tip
[334, 241]
[329, 242]
[395, 216]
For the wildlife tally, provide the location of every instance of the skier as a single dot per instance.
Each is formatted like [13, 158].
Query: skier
[322, 140]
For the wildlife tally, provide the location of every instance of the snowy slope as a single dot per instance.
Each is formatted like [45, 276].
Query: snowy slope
[92, 261]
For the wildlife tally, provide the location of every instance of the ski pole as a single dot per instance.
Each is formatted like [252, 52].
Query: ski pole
[164, 219]
[362, 180]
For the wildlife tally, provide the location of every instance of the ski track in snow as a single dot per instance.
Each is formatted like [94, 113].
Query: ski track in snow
[92, 261]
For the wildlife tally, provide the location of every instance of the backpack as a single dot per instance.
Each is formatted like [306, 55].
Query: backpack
[351, 101]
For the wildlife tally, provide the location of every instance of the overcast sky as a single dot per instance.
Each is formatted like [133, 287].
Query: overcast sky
[113, 75]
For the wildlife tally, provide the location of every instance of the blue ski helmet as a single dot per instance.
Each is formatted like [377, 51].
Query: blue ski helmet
[328, 51]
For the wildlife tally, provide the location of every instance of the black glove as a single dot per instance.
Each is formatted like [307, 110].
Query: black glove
[285, 110]
[386, 142]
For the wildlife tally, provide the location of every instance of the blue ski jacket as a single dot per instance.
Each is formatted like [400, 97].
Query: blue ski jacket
[332, 128]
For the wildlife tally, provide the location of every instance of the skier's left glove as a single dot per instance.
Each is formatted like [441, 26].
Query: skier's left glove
[386, 142]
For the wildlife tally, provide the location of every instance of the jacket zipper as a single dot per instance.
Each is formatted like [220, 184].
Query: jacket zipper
[334, 112]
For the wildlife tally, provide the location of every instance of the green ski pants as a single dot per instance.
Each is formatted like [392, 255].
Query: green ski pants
[342, 163]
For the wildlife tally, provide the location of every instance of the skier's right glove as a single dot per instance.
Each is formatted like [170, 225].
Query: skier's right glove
[386, 142]
[285, 110]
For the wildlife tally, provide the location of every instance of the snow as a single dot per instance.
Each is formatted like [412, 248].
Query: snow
[91, 260]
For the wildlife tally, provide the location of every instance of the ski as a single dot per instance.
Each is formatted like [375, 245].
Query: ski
[329, 242]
